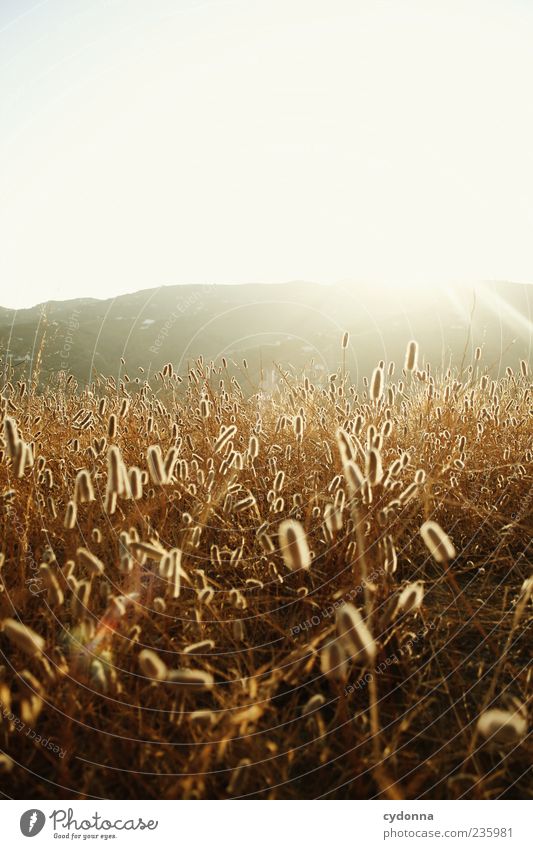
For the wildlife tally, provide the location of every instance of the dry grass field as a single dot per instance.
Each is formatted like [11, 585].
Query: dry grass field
[210, 593]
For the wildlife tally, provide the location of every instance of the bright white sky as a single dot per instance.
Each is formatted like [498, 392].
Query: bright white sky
[178, 141]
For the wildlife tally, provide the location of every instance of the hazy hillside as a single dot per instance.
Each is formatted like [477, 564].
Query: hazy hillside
[291, 323]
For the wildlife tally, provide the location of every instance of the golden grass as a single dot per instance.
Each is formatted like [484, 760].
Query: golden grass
[182, 646]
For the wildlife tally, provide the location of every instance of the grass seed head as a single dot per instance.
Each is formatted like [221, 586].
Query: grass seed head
[377, 384]
[23, 637]
[502, 727]
[438, 542]
[411, 597]
[152, 666]
[293, 545]
[354, 635]
[411, 356]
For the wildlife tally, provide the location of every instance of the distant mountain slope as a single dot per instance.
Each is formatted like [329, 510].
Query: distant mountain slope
[293, 323]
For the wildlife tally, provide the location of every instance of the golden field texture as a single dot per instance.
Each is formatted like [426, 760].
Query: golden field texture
[210, 592]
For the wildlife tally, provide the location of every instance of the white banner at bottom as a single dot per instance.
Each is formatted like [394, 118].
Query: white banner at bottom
[258, 824]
